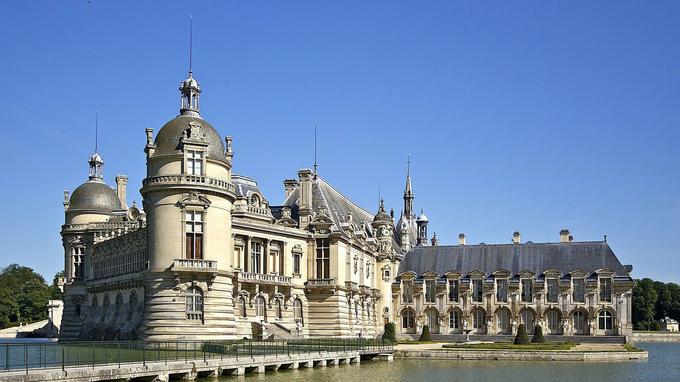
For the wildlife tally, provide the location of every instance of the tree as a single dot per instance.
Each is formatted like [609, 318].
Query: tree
[521, 338]
[538, 335]
[390, 332]
[425, 335]
[644, 304]
[23, 295]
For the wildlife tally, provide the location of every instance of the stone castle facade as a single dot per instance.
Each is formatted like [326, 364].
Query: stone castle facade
[208, 257]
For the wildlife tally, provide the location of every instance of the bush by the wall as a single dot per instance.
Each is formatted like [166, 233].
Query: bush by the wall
[521, 338]
[425, 335]
[390, 332]
[538, 335]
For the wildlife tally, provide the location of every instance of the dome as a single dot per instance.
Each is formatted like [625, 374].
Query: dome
[189, 83]
[94, 196]
[422, 217]
[382, 216]
[169, 136]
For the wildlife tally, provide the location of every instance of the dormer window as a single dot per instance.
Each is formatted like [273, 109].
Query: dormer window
[453, 291]
[606, 289]
[502, 290]
[527, 290]
[579, 290]
[477, 290]
[194, 162]
[430, 291]
[552, 285]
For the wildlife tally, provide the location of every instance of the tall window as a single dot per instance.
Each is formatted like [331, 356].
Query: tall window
[527, 318]
[194, 232]
[256, 257]
[78, 263]
[260, 307]
[478, 319]
[605, 320]
[242, 307]
[527, 290]
[194, 304]
[323, 259]
[554, 322]
[579, 290]
[580, 324]
[132, 305]
[503, 321]
[407, 293]
[194, 162]
[552, 290]
[408, 319]
[296, 264]
[477, 290]
[279, 310]
[297, 311]
[502, 290]
[453, 290]
[454, 319]
[430, 291]
[606, 289]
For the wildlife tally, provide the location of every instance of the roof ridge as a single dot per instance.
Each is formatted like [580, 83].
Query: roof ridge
[512, 244]
[368, 214]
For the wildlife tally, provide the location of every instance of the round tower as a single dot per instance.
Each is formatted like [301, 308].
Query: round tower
[188, 197]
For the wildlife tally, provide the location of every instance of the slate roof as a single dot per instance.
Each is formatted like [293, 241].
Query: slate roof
[245, 186]
[169, 137]
[94, 196]
[535, 257]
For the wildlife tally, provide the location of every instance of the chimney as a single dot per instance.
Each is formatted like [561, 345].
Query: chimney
[121, 190]
[306, 177]
[435, 241]
[289, 186]
[516, 237]
[229, 149]
[66, 199]
[461, 239]
[565, 236]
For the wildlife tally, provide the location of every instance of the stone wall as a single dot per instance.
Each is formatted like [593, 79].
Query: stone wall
[655, 337]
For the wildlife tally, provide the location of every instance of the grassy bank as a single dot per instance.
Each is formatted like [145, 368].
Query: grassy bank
[510, 346]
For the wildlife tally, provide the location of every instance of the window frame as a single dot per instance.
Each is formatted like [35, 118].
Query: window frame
[194, 303]
[502, 293]
[192, 162]
[454, 290]
[477, 287]
[556, 291]
[407, 291]
[323, 259]
[430, 289]
[527, 296]
[581, 291]
[194, 241]
[606, 290]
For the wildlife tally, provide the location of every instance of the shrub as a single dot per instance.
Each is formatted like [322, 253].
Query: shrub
[657, 326]
[538, 335]
[425, 335]
[521, 338]
[390, 332]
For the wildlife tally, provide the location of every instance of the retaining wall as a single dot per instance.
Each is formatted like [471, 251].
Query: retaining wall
[655, 337]
[514, 355]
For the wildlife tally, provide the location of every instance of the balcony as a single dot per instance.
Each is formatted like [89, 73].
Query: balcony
[190, 180]
[267, 278]
[194, 265]
[321, 284]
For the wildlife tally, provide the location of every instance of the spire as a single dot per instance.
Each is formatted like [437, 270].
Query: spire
[316, 165]
[189, 88]
[95, 161]
[408, 192]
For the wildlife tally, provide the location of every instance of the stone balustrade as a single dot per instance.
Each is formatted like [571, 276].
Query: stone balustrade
[195, 264]
[188, 180]
[265, 278]
[321, 283]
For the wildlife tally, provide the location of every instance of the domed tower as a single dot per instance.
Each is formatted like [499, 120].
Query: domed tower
[387, 261]
[188, 197]
[421, 222]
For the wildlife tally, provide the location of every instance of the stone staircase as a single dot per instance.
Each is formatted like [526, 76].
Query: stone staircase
[276, 331]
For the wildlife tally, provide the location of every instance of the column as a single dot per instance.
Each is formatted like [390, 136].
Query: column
[283, 251]
[247, 256]
[265, 261]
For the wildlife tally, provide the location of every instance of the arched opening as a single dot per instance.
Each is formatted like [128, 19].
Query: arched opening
[503, 324]
[118, 306]
[279, 310]
[297, 312]
[479, 321]
[432, 316]
[554, 318]
[579, 321]
[408, 321]
[132, 305]
[194, 304]
[242, 309]
[105, 307]
[455, 321]
[528, 318]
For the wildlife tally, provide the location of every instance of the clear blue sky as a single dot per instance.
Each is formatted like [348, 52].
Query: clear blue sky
[529, 116]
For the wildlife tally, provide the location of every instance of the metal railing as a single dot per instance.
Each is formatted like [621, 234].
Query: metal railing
[67, 355]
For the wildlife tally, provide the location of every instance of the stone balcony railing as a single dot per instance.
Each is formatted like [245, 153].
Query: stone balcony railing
[188, 180]
[264, 278]
[194, 265]
[123, 226]
[321, 283]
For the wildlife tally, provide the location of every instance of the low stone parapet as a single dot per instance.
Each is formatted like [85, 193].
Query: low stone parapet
[518, 355]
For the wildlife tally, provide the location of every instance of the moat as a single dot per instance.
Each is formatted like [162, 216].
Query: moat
[663, 365]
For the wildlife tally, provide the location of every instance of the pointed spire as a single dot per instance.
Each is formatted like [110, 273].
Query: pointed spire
[189, 88]
[316, 165]
[408, 191]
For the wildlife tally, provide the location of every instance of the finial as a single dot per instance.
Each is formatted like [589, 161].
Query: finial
[316, 165]
[191, 41]
[408, 164]
[96, 131]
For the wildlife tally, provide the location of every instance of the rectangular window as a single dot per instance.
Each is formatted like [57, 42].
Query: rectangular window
[502, 290]
[256, 257]
[527, 290]
[477, 290]
[430, 291]
[194, 234]
[606, 289]
[453, 290]
[296, 264]
[579, 290]
[407, 294]
[194, 162]
[552, 290]
[323, 259]
[78, 265]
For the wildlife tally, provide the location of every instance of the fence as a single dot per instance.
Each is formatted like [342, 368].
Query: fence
[63, 355]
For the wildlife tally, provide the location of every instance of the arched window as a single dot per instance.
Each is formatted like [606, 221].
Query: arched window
[132, 305]
[242, 307]
[105, 307]
[454, 319]
[297, 311]
[279, 311]
[408, 319]
[478, 319]
[527, 318]
[580, 322]
[118, 306]
[260, 307]
[194, 304]
[503, 321]
[554, 322]
[432, 320]
[605, 320]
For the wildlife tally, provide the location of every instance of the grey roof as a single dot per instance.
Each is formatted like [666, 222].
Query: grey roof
[168, 137]
[245, 186]
[535, 257]
[94, 196]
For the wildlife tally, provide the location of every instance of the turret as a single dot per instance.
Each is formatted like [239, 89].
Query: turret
[421, 223]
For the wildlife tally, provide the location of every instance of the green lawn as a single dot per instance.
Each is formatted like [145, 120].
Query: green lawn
[510, 346]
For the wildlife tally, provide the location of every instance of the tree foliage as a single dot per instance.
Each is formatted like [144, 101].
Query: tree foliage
[390, 333]
[538, 335]
[24, 295]
[654, 300]
[521, 338]
[425, 335]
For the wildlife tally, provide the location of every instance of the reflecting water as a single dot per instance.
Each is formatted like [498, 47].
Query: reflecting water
[663, 365]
